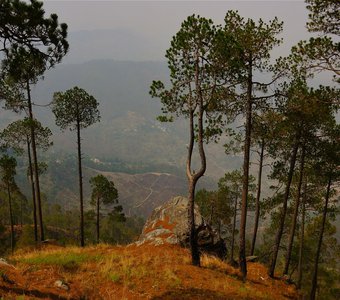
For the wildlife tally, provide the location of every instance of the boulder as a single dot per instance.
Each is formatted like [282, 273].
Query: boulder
[168, 223]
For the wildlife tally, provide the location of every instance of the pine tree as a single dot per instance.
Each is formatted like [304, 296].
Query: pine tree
[103, 192]
[201, 66]
[76, 109]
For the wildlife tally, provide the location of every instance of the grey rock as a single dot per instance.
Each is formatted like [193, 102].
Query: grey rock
[62, 285]
[168, 223]
[252, 258]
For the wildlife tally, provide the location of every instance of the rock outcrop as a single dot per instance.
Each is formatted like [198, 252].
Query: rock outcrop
[168, 223]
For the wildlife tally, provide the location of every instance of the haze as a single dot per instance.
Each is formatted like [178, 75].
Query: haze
[142, 30]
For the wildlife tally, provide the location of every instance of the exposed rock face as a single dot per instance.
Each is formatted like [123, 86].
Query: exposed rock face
[169, 224]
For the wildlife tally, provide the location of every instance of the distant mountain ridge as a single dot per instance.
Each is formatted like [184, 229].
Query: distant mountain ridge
[128, 133]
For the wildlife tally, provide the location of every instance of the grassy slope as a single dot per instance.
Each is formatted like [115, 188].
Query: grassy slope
[145, 272]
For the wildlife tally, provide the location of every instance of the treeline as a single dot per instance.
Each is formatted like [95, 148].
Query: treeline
[217, 77]
[62, 226]
[131, 167]
[31, 44]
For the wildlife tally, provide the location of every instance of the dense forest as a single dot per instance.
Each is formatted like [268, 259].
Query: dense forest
[278, 116]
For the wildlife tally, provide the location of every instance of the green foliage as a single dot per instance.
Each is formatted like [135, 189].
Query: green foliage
[26, 239]
[231, 186]
[103, 190]
[62, 225]
[320, 53]
[75, 107]
[217, 207]
[7, 171]
[24, 28]
[115, 277]
[324, 16]
[255, 40]
[315, 55]
[12, 92]
[66, 260]
[329, 259]
[17, 134]
[115, 231]
[301, 113]
[202, 63]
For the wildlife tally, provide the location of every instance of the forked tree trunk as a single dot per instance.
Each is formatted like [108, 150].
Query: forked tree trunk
[232, 261]
[318, 250]
[10, 211]
[302, 235]
[191, 175]
[296, 212]
[82, 238]
[258, 196]
[284, 210]
[245, 180]
[33, 191]
[35, 162]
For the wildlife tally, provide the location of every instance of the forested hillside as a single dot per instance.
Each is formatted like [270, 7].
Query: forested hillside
[94, 153]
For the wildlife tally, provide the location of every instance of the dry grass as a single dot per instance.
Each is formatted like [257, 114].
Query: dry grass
[145, 272]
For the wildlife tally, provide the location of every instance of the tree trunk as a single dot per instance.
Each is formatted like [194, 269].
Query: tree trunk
[195, 255]
[219, 230]
[82, 239]
[191, 175]
[296, 212]
[10, 217]
[35, 162]
[98, 207]
[258, 195]
[302, 235]
[211, 213]
[284, 210]
[245, 180]
[33, 191]
[233, 233]
[318, 250]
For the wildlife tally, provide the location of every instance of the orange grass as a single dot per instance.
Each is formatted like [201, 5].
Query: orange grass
[133, 272]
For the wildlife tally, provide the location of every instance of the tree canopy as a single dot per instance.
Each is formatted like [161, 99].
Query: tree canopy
[24, 28]
[75, 107]
[324, 16]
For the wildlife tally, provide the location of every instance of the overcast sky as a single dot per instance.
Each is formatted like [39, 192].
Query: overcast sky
[142, 30]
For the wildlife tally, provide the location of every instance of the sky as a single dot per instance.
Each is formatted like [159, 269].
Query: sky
[142, 30]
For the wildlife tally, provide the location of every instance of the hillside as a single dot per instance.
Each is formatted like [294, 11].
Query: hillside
[144, 272]
[139, 194]
[127, 140]
[128, 130]
[140, 188]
